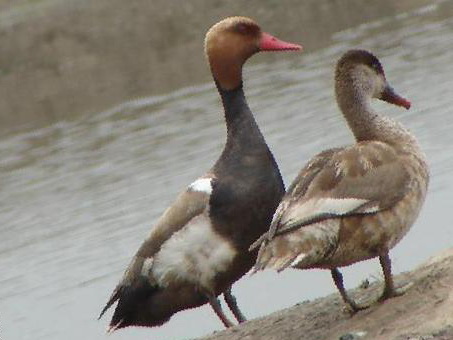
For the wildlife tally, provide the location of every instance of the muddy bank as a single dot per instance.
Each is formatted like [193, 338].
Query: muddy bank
[60, 59]
[424, 312]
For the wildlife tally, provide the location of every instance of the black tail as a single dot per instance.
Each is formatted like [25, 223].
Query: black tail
[136, 306]
[115, 296]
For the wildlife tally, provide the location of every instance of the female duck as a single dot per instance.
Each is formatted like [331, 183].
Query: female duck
[199, 247]
[353, 203]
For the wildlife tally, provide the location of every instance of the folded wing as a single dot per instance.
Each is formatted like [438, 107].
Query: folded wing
[362, 179]
[188, 205]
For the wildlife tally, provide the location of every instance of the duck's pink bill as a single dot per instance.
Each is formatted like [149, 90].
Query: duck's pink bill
[390, 96]
[271, 43]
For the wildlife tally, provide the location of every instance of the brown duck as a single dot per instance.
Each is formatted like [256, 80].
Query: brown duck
[352, 203]
[199, 246]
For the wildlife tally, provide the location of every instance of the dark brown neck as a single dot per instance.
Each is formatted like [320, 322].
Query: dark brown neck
[240, 123]
[244, 139]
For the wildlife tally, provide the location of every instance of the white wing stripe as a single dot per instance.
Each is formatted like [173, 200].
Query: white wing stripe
[325, 206]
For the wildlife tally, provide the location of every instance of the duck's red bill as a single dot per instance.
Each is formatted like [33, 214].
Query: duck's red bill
[389, 95]
[271, 43]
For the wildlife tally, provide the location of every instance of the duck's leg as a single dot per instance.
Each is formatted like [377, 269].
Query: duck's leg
[217, 307]
[232, 304]
[338, 279]
[389, 289]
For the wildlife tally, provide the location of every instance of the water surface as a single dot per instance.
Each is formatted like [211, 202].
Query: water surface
[78, 198]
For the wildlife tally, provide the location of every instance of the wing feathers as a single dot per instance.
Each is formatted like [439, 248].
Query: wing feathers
[185, 208]
[362, 179]
[115, 296]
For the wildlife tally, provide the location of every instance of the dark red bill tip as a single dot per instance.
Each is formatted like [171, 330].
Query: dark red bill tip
[390, 96]
[271, 43]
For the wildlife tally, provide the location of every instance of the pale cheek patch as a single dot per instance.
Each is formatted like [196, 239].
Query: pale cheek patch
[202, 185]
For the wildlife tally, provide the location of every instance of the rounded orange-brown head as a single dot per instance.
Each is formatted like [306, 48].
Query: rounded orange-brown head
[230, 42]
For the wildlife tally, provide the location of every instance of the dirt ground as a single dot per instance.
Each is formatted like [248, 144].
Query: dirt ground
[425, 312]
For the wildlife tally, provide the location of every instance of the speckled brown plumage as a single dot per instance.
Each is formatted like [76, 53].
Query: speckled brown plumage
[353, 203]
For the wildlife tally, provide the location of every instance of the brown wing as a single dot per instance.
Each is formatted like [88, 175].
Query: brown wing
[188, 205]
[296, 190]
[300, 185]
[362, 179]
[368, 170]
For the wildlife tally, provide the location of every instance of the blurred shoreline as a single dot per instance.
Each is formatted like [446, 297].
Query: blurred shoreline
[61, 60]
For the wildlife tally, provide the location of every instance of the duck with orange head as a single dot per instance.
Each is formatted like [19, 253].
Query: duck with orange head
[199, 246]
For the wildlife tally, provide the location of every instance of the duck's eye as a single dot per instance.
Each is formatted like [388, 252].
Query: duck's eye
[244, 28]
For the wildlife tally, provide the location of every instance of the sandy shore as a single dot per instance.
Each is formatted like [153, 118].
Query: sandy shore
[424, 312]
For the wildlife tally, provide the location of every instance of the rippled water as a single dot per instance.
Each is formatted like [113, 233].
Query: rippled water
[77, 198]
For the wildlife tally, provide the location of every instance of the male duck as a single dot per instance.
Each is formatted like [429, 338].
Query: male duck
[199, 246]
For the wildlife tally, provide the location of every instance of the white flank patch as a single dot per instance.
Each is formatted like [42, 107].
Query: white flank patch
[195, 254]
[202, 185]
[147, 264]
[320, 206]
[299, 258]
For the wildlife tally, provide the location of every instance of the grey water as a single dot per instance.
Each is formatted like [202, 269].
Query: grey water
[78, 197]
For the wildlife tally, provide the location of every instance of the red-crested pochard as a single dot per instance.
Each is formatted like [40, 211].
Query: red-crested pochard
[199, 246]
[352, 203]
